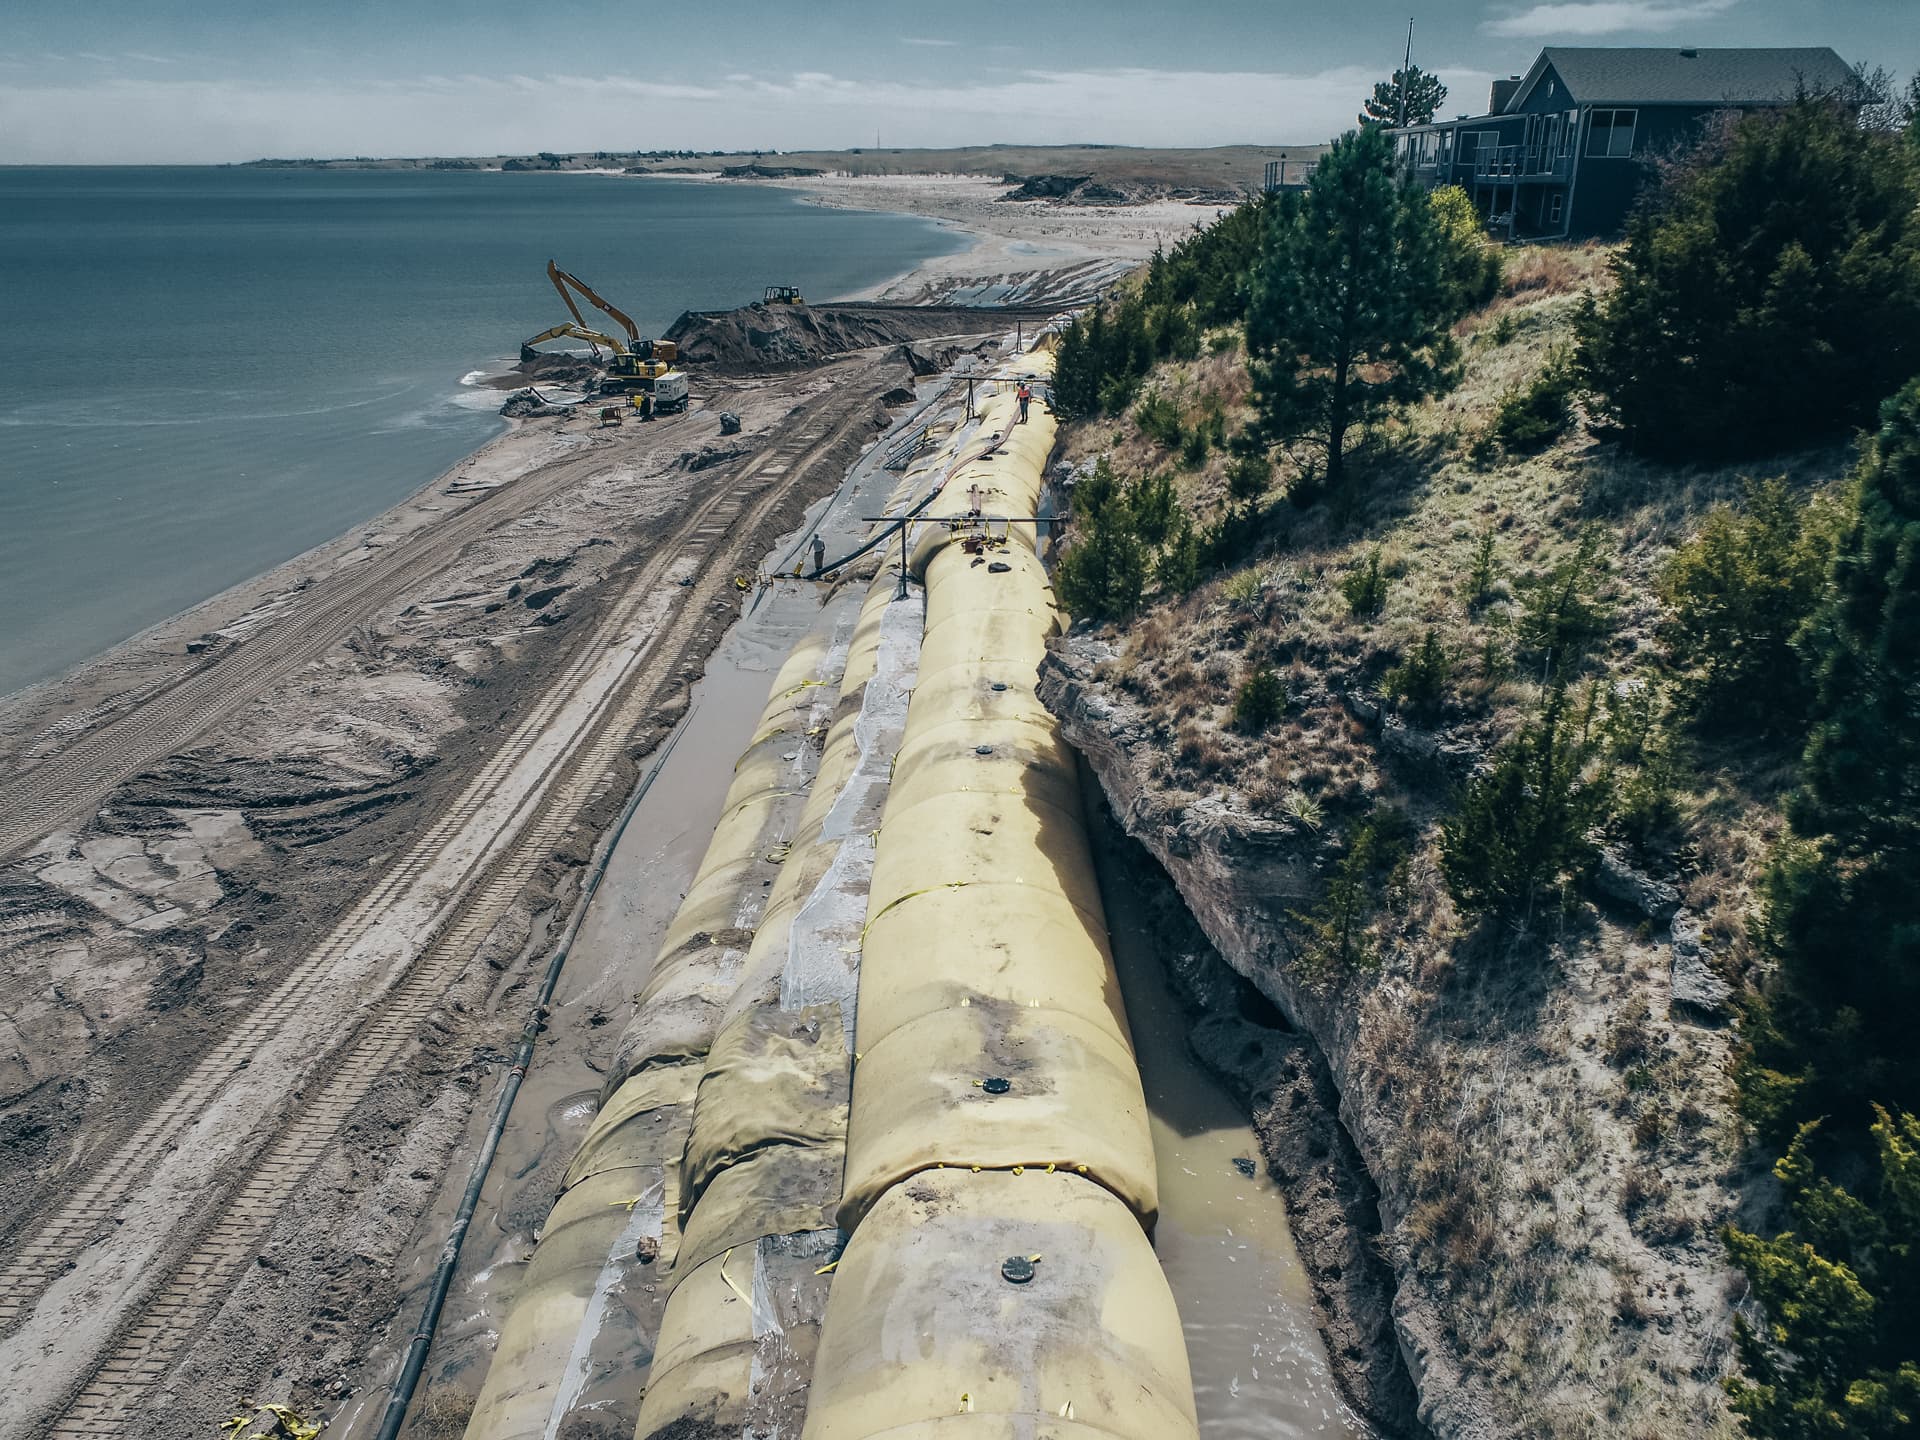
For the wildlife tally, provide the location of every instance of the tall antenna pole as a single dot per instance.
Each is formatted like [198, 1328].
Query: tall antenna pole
[1406, 74]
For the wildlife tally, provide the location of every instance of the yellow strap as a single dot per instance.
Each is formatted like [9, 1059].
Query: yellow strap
[729, 1279]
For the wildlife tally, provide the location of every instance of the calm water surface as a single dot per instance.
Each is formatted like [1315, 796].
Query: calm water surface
[213, 370]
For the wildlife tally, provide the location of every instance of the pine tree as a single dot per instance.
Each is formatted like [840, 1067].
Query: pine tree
[1474, 264]
[1843, 901]
[1423, 94]
[1740, 590]
[1839, 1356]
[1350, 304]
[1774, 297]
[1522, 827]
[1103, 576]
[1076, 373]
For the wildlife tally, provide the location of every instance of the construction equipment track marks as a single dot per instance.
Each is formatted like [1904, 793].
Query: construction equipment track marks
[80, 776]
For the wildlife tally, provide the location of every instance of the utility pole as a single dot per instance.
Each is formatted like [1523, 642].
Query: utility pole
[1406, 74]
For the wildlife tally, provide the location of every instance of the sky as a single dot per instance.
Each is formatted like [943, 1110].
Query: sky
[163, 81]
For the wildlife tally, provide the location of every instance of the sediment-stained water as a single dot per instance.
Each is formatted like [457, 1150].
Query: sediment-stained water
[212, 370]
[1259, 1364]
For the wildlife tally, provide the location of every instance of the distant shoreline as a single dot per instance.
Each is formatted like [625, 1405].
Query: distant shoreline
[172, 633]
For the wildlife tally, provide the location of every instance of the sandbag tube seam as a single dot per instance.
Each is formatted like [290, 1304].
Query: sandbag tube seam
[762, 1173]
[767, 1193]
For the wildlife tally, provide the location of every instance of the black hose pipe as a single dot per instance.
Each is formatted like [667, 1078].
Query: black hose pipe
[853, 555]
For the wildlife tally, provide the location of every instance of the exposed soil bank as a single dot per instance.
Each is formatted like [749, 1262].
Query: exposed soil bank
[1485, 1102]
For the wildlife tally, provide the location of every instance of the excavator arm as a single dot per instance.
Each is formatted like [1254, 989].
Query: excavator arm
[562, 281]
[573, 331]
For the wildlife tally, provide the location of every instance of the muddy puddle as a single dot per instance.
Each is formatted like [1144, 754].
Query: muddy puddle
[1259, 1364]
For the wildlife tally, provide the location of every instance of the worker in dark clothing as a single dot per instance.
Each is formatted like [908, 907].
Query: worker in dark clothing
[819, 554]
[1025, 396]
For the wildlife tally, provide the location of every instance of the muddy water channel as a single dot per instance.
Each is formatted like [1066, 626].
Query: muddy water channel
[1259, 1365]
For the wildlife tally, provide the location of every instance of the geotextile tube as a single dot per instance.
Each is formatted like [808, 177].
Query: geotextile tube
[886, 1006]
[764, 1163]
[614, 1229]
[999, 1177]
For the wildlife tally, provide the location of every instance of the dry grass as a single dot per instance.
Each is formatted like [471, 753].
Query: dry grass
[1541, 271]
[441, 1413]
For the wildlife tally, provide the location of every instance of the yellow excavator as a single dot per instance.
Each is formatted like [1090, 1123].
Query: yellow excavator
[572, 331]
[654, 381]
[643, 367]
[640, 350]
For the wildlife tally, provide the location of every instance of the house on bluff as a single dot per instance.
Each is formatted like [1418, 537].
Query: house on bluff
[1562, 151]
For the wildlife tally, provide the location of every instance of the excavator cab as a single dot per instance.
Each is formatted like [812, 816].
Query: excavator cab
[784, 295]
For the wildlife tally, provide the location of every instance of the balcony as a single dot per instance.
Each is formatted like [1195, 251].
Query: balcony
[1522, 162]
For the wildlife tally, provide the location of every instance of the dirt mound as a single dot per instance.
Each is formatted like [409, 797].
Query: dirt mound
[790, 337]
[1086, 190]
[767, 172]
[935, 359]
[1043, 187]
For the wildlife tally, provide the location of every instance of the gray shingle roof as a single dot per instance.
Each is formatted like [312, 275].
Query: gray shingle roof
[1648, 76]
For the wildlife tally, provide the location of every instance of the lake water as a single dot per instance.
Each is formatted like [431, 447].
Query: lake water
[213, 370]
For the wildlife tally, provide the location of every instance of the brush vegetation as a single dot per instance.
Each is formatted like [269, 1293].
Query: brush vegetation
[1467, 513]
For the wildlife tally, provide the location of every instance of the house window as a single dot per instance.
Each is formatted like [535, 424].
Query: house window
[1556, 207]
[1611, 133]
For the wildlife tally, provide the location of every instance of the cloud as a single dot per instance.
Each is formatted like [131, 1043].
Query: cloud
[150, 116]
[1606, 17]
[922, 40]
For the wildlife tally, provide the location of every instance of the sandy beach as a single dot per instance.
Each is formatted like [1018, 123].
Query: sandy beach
[1013, 240]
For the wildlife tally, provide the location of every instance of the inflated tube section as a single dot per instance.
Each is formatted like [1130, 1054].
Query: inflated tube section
[764, 1161]
[999, 1280]
[614, 1238]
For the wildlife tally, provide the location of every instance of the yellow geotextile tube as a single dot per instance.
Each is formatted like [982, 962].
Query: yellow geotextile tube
[613, 1234]
[607, 1237]
[927, 1335]
[704, 951]
[1003, 468]
[999, 1283]
[737, 1342]
[773, 1099]
[761, 1179]
[992, 1032]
